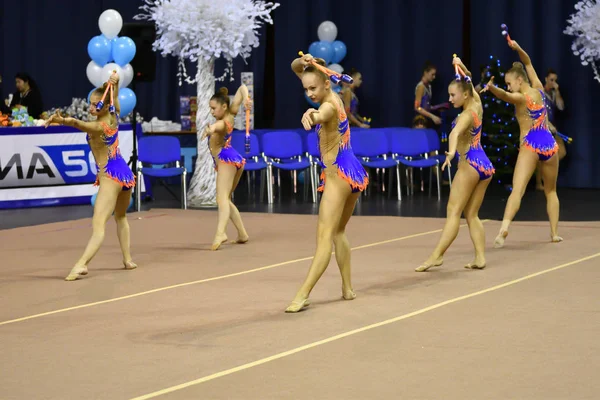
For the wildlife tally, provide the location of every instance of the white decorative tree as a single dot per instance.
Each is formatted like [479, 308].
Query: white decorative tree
[584, 26]
[202, 31]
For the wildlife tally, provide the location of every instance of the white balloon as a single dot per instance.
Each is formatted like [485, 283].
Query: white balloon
[127, 76]
[336, 67]
[94, 74]
[110, 23]
[107, 71]
[327, 31]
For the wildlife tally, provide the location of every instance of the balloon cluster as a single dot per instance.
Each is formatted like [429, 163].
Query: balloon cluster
[109, 53]
[331, 50]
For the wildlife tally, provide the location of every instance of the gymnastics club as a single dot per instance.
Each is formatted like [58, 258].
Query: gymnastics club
[458, 72]
[505, 33]
[100, 104]
[565, 137]
[335, 77]
[247, 129]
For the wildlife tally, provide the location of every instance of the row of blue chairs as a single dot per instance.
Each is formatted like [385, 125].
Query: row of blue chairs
[378, 148]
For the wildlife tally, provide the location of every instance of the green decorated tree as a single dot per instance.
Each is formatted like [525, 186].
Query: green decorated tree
[500, 127]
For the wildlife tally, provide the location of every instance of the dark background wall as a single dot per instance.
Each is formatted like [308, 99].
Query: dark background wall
[387, 40]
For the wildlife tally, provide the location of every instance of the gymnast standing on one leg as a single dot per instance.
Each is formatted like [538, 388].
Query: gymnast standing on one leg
[474, 171]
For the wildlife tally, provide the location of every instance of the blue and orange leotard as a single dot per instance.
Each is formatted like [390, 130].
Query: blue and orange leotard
[228, 154]
[348, 166]
[476, 156]
[116, 167]
[539, 139]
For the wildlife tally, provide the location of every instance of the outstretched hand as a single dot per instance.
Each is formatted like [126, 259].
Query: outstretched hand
[449, 158]
[487, 85]
[307, 120]
[54, 118]
[206, 132]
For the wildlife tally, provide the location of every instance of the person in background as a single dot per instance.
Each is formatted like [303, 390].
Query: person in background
[3, 106]
[554, 101]
[423, 94]
[483, 70]
[27, 95]
[351, 100]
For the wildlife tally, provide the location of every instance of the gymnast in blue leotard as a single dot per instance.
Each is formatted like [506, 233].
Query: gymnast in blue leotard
[526, 92]
[343, 178]
[473, 176]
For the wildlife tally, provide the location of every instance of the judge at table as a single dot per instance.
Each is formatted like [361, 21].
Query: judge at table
[27, 95]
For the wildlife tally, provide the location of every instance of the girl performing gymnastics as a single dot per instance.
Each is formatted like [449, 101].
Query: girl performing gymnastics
[229, 164]
[343, 177]
[526, 92]
[114, 178]
[351, 100]
[474, 171]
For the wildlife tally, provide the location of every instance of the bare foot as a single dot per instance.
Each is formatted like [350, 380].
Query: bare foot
[478, 263]
[129, 264]
[218, 241]
[241, 239]
[556, 239]
[76, 272]
[348, 294]
[429, 263]
[499, 241]
[297, 305]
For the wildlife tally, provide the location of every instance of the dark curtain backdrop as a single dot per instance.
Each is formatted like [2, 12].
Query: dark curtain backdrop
[538, 25]
[387, 40]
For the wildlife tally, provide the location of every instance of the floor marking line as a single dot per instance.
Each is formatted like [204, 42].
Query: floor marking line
[215, 278]
[355, 331]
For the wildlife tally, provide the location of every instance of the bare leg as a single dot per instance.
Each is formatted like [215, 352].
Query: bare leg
[234, 215]
[562, 148]
[550, 173]
[464, 182]
[225, 177]
[104, 207]
[330, 213]
[342, 248]
[526, 163]
[475, 226]
[123, 228]
[538, 177]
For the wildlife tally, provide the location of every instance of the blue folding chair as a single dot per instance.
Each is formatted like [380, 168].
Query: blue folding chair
[160, 150]
[372, 148]
[410, 148]
[435, 146]
[314, 156]
[283, 150]
[255, 161]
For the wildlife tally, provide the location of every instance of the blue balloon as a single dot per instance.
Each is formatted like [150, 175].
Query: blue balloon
[313, 47]
[123, 51]
[99, 50]
[127, 100]
[323, 50]
[339, 51]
